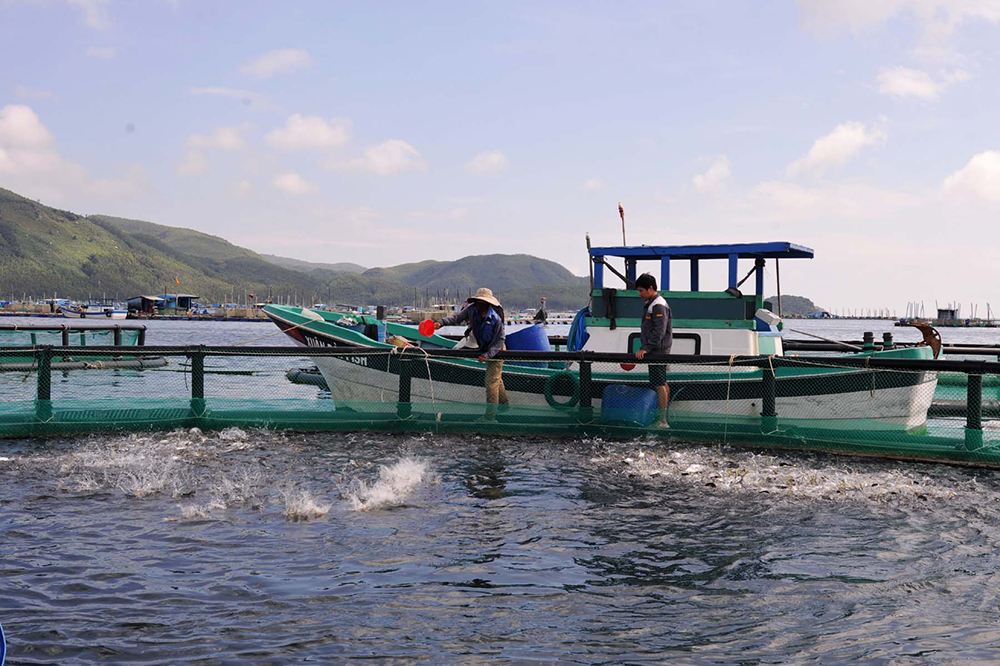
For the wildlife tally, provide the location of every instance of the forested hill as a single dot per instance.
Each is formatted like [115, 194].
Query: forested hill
[46, 251]
[794, 306]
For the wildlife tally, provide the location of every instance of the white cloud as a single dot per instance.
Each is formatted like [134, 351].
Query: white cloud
[905, 82]
[714, 177]
[938, 17]
[135, 181]
[849, 200]
[102, 52]
[95, 13]
[385, 159]
[223, 138]
[834, 149]
[293, 183]
[310, 133]
[245, 96]
[27, 148]
[20, 127]
[936, 20]
[980, 178]
[278, 61]
[958, 76]
[240, 189]
[31, 165]
[356, 218]
[593, 184]
[492, 161]
[193, 164]
[23, 92]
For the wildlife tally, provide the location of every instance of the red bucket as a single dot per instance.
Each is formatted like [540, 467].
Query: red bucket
[426, 328]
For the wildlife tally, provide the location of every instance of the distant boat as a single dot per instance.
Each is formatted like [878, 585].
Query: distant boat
[91, 311]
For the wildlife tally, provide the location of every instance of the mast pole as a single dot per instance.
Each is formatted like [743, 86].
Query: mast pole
[777, 272]
[590, 265]
[621, 213]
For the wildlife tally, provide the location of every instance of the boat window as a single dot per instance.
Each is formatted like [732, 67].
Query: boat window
[635, 342]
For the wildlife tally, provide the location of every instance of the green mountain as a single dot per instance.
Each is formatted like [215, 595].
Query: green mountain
[45, 251]
[308, 266]
[501, 272]
[792, 306]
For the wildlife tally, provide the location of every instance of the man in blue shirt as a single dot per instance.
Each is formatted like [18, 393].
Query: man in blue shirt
[484, 315]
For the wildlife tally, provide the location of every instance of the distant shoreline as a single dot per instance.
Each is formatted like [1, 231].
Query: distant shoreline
[47, 315]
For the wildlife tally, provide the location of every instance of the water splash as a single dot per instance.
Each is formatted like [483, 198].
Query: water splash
[394, 484]
[194, 512]
[135, 465]
[725, 470]
[303, 505]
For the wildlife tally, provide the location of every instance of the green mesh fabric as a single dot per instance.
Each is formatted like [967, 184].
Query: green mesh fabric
[13, 337]
[797, 404]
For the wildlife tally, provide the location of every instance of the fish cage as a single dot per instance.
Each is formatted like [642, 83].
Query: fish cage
[856, 404]
[21, 341]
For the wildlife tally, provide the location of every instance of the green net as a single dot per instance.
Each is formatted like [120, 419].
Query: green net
[83, 337]
[806, 403]
[20, 343]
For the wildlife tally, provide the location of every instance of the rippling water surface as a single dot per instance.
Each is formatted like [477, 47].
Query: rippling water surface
[255, 547]
[252, 547]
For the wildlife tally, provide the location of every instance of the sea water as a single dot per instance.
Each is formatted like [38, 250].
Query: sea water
[255, 547]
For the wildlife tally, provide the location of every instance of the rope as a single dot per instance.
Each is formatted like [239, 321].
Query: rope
[770, 365]
[401, 351]
[427, 362]
[725, 431]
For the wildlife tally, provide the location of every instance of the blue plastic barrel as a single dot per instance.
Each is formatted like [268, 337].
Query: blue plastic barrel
[628, 405]
[533, 338]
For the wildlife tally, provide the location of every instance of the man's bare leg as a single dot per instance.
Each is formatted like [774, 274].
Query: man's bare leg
[663, 401]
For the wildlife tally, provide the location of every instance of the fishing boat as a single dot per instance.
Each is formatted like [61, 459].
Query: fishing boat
[94, 311]
[705, 323]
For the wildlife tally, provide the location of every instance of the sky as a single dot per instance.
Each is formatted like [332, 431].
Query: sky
[382, 133]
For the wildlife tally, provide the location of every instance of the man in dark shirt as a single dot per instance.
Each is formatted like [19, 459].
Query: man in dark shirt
[657, 336]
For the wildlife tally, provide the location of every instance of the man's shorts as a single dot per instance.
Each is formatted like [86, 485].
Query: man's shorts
[658, 374]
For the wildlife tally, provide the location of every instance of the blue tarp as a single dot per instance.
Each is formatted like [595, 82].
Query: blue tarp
[578, 335]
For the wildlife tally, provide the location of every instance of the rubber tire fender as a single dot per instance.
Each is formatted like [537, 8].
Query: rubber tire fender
[550, 383]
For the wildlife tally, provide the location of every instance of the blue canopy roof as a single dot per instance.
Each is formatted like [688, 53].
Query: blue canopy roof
[771, 250]
[693, 253]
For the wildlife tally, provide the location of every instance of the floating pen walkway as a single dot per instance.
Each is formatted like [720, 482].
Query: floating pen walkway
[752, 401]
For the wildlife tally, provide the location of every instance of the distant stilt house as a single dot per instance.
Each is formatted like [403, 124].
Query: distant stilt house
[947, 314]
[145, 304]
[163, 303]
[179, 303]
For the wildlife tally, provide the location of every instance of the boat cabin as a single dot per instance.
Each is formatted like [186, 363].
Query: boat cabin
[704, 322]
